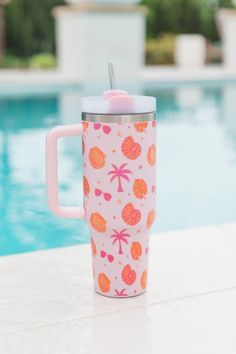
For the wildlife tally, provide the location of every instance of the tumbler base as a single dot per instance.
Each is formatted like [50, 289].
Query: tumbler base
[120, 297]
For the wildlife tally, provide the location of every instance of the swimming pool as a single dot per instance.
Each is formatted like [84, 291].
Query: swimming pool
[196, 163]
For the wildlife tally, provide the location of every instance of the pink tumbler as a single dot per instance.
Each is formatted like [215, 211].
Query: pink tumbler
[119, 182]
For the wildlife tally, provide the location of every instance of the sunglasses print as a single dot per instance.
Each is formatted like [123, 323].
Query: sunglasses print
[106, 196]
[109, 256]
[106, 129]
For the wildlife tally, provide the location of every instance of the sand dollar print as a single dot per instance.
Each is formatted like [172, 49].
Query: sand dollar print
[86, 186]
[140, 127]
[97, 157]
[136, 250]
[98, 222]
[140, 188]
[151, 218]
[104, 282]
[143, 281]
[151, 155]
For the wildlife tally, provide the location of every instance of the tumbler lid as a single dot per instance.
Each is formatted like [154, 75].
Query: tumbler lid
[118, 102]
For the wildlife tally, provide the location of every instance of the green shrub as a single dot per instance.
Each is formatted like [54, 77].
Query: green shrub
[160, 51]
[183, 16]
[43, 60]
[40, 61]
[10, 61]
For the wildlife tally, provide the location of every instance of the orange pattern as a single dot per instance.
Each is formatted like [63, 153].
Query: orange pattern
[151, 218]
[85, 125]
[140, 127]
[94, 248]
[140, 188]
[97, 157]
[130, 148]
[151, 155]
[119, 225]
[86, 186]
[128, 275]
[104, 282]
[143, 281]
[136, 250]
[98, 222]
[130, 215]
[83, 147]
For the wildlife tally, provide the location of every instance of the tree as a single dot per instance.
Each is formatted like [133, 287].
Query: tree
[183, 16]
[30, 26]
[2, 27]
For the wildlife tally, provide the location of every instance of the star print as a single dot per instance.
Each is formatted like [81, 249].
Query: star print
[119, 134]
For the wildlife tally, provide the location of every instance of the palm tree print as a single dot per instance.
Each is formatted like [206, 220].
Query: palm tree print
[119, 173]
[120, 236]
[120, 292]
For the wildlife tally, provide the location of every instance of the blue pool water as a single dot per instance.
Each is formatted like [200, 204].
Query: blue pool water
[196, 163]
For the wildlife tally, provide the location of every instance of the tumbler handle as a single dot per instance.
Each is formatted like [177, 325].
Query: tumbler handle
[52, 170]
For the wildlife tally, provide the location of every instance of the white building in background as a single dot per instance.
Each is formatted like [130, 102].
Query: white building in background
[89, 34]
[190, 51]
[226, 20]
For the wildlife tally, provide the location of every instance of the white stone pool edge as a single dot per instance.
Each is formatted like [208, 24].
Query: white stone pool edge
[47, 303]
[152, 74]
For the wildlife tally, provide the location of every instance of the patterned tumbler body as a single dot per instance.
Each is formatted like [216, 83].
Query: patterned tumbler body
[119, 181]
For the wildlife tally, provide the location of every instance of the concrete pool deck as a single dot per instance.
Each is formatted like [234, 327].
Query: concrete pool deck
[47, 303]
[149, 74]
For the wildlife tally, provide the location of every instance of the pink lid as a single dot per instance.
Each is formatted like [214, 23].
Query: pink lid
[118, 102]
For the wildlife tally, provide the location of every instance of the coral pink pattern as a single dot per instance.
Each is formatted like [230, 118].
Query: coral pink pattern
[130, 148]
[120, 237]
[118, 202]
[130, 215]
[119, 173]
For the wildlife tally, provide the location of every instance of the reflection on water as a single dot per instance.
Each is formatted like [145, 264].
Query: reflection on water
[26, 223]
[229, 112]
[196, 164]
